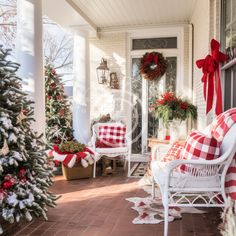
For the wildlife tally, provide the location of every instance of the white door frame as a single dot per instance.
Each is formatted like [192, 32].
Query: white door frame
[175, 31]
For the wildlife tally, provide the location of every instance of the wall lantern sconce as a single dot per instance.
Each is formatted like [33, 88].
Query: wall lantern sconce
[103, 72]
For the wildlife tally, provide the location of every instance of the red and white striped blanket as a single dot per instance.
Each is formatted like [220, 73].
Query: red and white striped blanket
[85, 158]
[220, 127]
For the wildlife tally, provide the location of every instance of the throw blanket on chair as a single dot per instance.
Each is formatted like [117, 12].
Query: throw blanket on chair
[220, 127]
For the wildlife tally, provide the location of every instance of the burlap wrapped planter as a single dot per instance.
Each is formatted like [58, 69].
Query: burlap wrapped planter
[77, 172]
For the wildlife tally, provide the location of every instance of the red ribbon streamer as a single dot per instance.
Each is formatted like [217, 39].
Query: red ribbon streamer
[211, 76]
[69, 156]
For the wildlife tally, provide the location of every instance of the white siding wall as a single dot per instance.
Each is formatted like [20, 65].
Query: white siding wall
[200, 21]
[206, 22]
[187, 82]
[112, 47]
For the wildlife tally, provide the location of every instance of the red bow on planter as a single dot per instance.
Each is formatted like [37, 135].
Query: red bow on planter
[211, 76]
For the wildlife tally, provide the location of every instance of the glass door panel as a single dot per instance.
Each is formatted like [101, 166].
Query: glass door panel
[136, 89]
[144, 124]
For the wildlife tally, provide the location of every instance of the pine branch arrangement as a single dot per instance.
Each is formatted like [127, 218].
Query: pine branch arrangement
[170, 107]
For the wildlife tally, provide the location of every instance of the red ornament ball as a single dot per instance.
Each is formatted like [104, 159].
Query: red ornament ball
[58, 141]
[22, 172]
[7, 184]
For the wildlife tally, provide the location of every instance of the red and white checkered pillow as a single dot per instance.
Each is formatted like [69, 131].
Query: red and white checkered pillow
[201, 147]
[174, 152]
[113, 136]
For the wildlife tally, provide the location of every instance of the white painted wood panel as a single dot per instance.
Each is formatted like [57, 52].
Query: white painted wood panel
[110, 13]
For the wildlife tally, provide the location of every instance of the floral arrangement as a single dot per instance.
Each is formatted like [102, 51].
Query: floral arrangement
[153, 65]
[70, 152]
[71, 147]
[170, 107]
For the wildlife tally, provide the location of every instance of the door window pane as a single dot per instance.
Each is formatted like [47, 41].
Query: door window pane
[137, 107]
[227, 11]
[171, 73]
[234, 9]
[227, 92]
[234, 86]
[233, 36]
[229, 39]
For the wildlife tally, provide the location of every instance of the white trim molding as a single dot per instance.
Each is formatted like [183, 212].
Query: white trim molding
[156, 32]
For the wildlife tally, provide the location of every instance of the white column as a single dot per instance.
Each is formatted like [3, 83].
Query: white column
[30, 56]
[81, 89]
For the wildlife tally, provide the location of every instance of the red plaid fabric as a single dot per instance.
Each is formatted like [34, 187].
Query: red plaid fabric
[174, 152]
[113, 136]
[100, 144]
[223, 123]
[199, 146]
[220, 127]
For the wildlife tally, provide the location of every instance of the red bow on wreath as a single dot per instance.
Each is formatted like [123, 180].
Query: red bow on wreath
[151, 57]
[211, 76]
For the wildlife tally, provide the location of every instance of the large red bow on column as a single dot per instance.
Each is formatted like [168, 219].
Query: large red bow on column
[211, 76]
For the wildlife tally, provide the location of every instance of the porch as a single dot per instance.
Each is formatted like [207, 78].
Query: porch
[119, 33]
[97, 207]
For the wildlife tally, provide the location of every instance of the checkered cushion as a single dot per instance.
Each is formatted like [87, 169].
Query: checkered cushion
[113, 136]
[174, 152]
[199, 146]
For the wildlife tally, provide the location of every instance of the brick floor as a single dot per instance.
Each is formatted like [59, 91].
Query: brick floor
[97, 207]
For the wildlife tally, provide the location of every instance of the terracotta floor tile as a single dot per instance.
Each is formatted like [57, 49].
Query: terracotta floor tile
[50, 232]
[97, 207]
[37, 232]
[25, 231]
[46, 225]
[62, 232]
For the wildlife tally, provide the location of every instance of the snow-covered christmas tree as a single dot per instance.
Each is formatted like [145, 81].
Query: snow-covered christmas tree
[24, 172]
[58, 113]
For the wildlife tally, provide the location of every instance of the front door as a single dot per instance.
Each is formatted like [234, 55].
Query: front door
[144, 124]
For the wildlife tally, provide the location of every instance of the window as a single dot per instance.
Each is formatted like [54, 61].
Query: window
[228, 42]
[154, 43]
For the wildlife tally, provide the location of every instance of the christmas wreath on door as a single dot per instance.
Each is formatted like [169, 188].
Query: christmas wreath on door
[153, 65]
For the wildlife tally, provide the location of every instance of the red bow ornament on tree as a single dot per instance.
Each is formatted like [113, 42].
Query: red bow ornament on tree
[211, 76]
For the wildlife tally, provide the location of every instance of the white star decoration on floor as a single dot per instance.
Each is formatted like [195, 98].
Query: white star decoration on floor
[151, 211]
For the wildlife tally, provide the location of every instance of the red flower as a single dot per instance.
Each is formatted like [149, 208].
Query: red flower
[184, 105]
[160, 101]
[169, 97]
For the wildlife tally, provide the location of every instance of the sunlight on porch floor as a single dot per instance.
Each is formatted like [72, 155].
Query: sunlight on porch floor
[97, 207]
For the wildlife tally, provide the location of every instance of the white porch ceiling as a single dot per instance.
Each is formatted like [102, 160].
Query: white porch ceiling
[98, 15]
[120, 13]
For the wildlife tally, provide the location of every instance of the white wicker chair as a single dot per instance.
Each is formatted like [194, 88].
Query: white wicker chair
[110, 152]
[202, 186]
